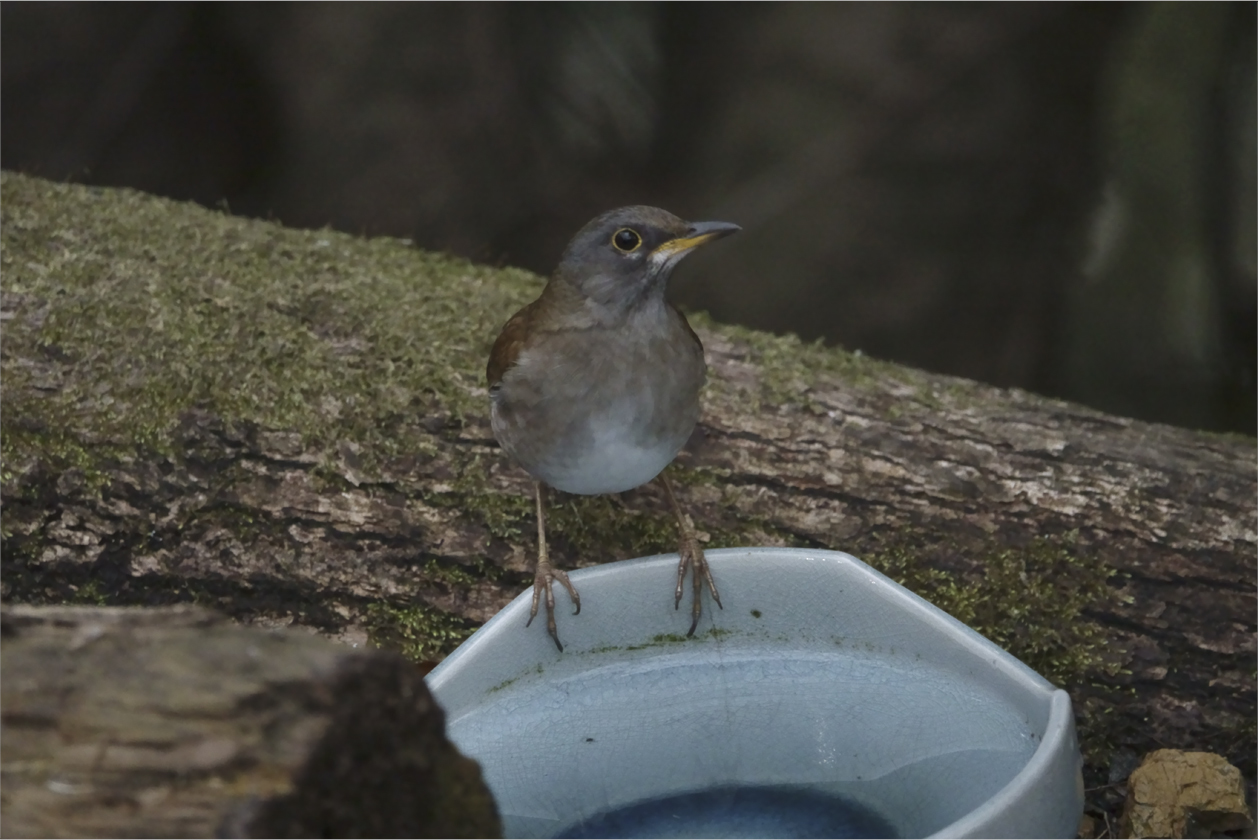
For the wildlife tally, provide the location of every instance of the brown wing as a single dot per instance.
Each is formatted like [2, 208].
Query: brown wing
[682, 316]
[509, 345]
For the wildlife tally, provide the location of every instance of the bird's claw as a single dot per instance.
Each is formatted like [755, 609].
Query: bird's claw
[691, 555]
[543, 582]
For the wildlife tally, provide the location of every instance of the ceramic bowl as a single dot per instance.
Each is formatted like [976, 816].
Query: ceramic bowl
[823, 700]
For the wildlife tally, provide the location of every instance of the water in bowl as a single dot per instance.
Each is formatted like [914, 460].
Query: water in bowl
[735, 812]
[625, 741]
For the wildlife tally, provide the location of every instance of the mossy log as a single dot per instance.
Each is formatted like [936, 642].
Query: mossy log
[175, 722]
[292, 426]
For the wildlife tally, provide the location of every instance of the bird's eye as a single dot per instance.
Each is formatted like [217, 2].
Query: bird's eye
[626, 240]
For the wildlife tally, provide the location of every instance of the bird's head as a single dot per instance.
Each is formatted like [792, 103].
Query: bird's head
[625, 256]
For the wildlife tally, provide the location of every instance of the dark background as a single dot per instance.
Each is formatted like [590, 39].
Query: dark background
[1055, 197]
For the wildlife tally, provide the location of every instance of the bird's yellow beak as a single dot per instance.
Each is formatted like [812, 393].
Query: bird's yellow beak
[700, 233]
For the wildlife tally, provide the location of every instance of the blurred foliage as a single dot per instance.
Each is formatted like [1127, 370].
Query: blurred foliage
[1058, 197]
[1163, 323]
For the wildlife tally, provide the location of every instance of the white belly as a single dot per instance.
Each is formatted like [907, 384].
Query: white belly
[613, 462]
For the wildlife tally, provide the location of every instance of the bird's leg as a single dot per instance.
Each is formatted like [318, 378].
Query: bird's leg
[691, 554]
[545, 576]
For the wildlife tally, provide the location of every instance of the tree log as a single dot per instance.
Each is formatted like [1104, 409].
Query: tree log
[176, 722]
[292, 426]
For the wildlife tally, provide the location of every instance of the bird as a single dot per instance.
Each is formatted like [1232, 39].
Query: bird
[594, 387]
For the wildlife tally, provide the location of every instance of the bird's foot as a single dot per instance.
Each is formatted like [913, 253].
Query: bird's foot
[543, 582]
[691, 554]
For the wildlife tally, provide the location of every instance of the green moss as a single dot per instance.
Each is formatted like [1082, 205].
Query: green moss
[657, 641]
[593, 526]
[453, 574]
[696, 476]
[243, 523]
[668, 639]
[51, 440]
[504, 515]
[420, 633]
[317, 332]
[588, 526]
[789, 368]
[89, 593]
[504, 684]
[1033, 602]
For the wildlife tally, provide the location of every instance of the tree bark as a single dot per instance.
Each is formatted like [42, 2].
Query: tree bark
[394, 514]
[176, 722]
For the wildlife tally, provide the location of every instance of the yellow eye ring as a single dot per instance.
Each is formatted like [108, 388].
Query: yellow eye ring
[626, 240]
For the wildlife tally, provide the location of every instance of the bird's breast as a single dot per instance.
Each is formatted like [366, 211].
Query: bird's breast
[601, 411]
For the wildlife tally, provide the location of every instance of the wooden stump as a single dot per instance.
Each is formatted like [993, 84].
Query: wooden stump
[176, 722]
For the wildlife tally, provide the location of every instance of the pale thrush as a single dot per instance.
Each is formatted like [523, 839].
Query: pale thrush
[594, 386]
